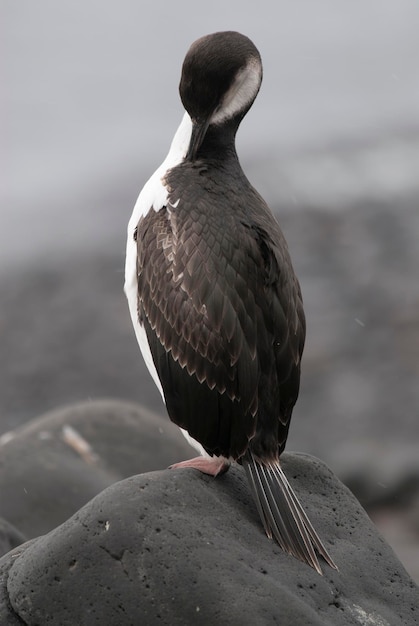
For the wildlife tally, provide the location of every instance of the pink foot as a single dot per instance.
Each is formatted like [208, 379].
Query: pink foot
[213, 466]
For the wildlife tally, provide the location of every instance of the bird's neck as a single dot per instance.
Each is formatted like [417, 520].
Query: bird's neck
[219, 143]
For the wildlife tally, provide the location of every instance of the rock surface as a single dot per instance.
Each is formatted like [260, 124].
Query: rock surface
[177, 547]
[58, 462]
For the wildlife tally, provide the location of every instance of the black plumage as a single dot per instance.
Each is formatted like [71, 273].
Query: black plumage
[222, 309]
[218, 296]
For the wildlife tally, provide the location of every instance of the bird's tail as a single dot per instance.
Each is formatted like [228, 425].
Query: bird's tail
[282, 514]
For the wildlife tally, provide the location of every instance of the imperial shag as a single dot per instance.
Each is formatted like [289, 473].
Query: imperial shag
[213, 296]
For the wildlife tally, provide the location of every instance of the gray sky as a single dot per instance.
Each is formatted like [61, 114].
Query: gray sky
[91, 97]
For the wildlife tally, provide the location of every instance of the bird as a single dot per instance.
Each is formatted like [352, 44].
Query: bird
[213, 297]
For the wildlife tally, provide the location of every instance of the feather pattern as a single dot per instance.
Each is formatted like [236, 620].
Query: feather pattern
[215, 296]
[153, 197]
[282, 514]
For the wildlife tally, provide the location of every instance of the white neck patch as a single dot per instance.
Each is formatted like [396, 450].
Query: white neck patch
[241, 93]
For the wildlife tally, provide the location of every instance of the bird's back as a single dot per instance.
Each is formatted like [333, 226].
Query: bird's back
[222, 309]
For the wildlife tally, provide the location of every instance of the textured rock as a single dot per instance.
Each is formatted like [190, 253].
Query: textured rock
[56, 463]
[177, 547]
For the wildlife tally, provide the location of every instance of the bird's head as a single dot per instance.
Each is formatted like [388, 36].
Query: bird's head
[221, 76]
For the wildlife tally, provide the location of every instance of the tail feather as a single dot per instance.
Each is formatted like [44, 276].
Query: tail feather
[282, 515]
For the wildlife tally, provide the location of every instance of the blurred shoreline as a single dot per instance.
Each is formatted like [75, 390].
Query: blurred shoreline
[332, 178]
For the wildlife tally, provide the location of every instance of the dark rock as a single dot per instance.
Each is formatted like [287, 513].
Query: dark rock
[56, 463]
[10, 537]
[179, 548]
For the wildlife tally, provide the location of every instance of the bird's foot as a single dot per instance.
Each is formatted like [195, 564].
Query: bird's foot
[213, 466]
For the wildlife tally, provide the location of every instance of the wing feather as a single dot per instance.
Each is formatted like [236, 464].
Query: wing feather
[223, 309]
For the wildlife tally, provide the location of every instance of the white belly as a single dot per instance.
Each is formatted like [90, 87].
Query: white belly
[153, 196]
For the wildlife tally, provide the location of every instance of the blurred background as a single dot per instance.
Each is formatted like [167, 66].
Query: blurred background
[89, 105]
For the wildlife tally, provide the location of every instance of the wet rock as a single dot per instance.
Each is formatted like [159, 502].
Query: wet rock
[177, 547]
[55, 464]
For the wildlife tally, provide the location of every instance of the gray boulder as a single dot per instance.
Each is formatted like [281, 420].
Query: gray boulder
[178, 548]
[55, 464]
